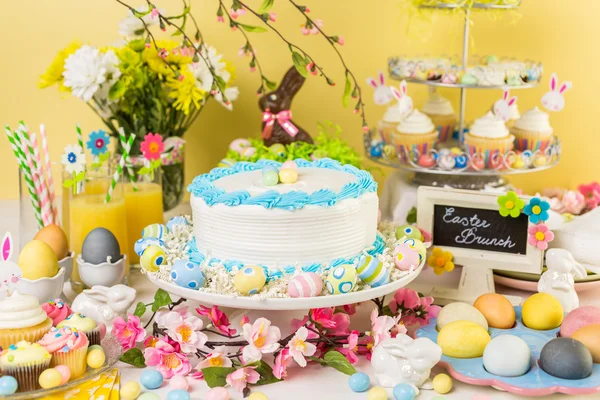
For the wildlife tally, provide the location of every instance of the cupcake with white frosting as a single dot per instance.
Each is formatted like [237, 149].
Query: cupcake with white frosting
[392, 117]
[441, 113]
[514, 115]
[415, 135]
[488, 136]
[22, 318]
[532, 131]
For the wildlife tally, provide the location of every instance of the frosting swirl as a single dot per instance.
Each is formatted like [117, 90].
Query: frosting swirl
[57, 310]
[416, 123]
[514, 112]
[63, 340]
[78, 321]
[20, 311]
[24, 353]
[534, 120]
[394, 114]
[438, 105]
[489, 126]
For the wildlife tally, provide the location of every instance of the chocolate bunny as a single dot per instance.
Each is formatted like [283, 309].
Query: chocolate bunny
[277, 125]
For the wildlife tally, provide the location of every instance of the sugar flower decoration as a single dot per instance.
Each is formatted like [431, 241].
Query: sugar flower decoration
[98, 142]
[240, 378]
[539, 236]
[167, 360]
[73, 159]
[88, 69]
[262, 339]
[510, 204]
[152, 146]
[299, 347]
[537, 210]
[591, 192]
[129, 332]
[440, 261]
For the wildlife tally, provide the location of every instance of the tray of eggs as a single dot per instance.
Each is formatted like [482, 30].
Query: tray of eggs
[533, 350]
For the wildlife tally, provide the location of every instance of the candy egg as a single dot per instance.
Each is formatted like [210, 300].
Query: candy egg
[278, 149]
[226, 163]
[248, 152]
[463, 339]
[359, 382]
[100, 244]
[187, 274]
[408, 231]
[56, 238]
[154, 231]
[460, 161]
[376, 151]
[65, 373]
[217, 393]
[460, 312]
[540, 161]
[95, 358]
[38, 260]
[377, 393]
[142, 244]
[306, 284]
[416, 244]
[178, 394]
[497, 310]
[250, 279]
[238, 145]
[8, 385]
[270, 176]
[477, 164]
[290, 164]
[179, 382]
[542, 311]
[447, 162]
[405, 257]
[153, 257]
[578, 318]
[50, 378]
[566, 358]
[372, 271]
[149, 396]
[288, 175]
[151, 379]
[518, 163]
[590, 336]
[442, 383]
[178, 220]
[257, 396]
[507, 355]
[389, 150]
[130, 390]
[341, 279]
[427, 161]
[403, 391]
[94, 346]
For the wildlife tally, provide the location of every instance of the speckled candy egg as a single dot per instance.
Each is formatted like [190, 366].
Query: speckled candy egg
[142, 244]
[341, 279]
[152, 258]
[416, 244]
[187, 274]
[372, 271]
[178, 220]
[460, 312]
[408, 231]
[250, 279]
[498, 361]
[288, 176]
[154, 231]
[306, 284]
[217, 393]
[566, 358]
[100, 244]
[405, 257]
[270, 176]
[578, 318]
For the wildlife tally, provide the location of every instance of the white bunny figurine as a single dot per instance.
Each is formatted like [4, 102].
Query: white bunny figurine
[405, 103]
[10, 273]
[383, 94]
[405, 360]
[502, 106]
[103, 304]
[554, 100]
[558, 279]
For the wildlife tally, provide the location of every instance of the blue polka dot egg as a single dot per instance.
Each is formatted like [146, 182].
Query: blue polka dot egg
[178, 220]
[372, 271]
[154, 231]
[417, 245]
[250, 279]
[187, 274]
[408, 231]
[142, 244]
[341, 279]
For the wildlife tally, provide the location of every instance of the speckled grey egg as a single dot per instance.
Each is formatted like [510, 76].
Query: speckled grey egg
[100, 244]
[566, 358]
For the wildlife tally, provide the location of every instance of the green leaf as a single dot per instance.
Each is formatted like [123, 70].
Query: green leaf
[252, 28]
[79, 176]
[144, 171]
[317, 359]
[299, 63]
[140, 309]
[270, 84]
[216, 376]
[68, 183]
[347, 91]
[161, 299]
[154, 164]
[266, 373]
[134, 357]
[336, 360]
[137, 45]
[265, 6]
[117, 90]
[411, 218]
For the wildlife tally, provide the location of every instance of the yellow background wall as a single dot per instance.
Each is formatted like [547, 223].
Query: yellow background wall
[559, 33]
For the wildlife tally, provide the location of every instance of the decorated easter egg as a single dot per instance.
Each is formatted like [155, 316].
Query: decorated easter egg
[372, 271]
[250, 279]
[153, 257]
[151, 379]
[463, 339]
[130, 390]
[141, 244]
[460, 312]
[65, 373]
[8, 385]
[290, 164]
[178, 220]
[226, 163]
[278, 149]
[498, 361]
[566, 358]
[542, 311]
[37, 260]
[178, 394]
[442, 383]
[248, 152]
[408, 231]
[270, 176]
[100, 244]
[359, 382]
[187, 274]
[341, 279]
[578, 318]
[376, 151]
[497, 310]
[405, 257]
[95, 358]
[306, 284]
[416, 244]
[590, 336]
[56, 238]
[460, 161]
[154, 231]
[238, 145]
[50, 378]
[288, 175]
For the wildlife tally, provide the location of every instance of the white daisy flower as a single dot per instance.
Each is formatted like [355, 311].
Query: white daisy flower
[110, 62]
[73, 159]
[87, 69]
[231, 93]
[204, 79]
[132, 27]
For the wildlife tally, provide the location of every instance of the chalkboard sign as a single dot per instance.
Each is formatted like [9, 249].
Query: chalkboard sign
[479, 229]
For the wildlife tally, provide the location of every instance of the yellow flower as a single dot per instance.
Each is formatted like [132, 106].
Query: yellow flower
[53, 74]
[168, 51]
[440, 261]
[229, 67]
[185, 91]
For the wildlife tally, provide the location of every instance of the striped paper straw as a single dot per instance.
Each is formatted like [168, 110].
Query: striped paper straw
[126, 149]
[27, 149]
[49, 179]
[26, 141]
[114, 180]
[47, 213]
[79, 137]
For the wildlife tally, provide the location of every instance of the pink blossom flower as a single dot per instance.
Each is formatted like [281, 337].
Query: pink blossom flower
[244, 320]
[218, 318]
[167, 361]
[323, 317]
[573, 202]
[342, 324]
[399, 329]
[282, 361]
[380, 327]
[350, 349]
[540, 236]
[154, 14]
[350, 309]
[163, 53]
[163, 312]
[405, 299]
[273, 17]
[220, 18]
[237, 13]
[240, 378]
[152, 146]
[297, 324]
[426, 310]
[217, 358]
[185, 331]
[300, 348]
[310, 67]
[312, 29]
[591, 192]
[340, 40]
[262, 339]
[128, 333]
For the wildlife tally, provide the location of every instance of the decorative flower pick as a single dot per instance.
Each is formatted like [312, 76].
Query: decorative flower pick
[510, 204]
[97, 144]
[537, 210]
[74, 161]
[441, 261]
[152, 148]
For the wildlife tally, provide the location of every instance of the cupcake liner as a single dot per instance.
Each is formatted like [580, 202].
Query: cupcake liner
[94, 336]
[74, 359]
[31, 334]
[27, 375]
[488, 147]
[527, 140]
[387, 130]
[444, 124]
[411, 145]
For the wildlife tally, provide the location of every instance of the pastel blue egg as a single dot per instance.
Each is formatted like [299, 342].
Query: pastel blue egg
[178, 220]
[178, 394]
[8, 385]
[372, 271]
[187, 274]
[359, 382]
[460, 161]
[403, 391]
[142, 244]
[154, 231]
[151, 379]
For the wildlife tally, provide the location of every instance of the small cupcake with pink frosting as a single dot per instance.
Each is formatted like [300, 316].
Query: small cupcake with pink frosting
[57, 311]
[68, 346]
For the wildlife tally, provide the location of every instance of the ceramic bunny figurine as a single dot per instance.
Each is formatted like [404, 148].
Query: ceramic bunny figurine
[405, 360]
[558, 279]
[502, 106]
[383, 94]
[554, 100]
[10, 273]
[277, 124]
[405, 103]
[103, 304]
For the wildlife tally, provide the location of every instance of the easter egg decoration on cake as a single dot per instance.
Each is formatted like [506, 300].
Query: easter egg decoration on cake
[341, 279]
[507, 355]
[542, 311]
[187, 274]
[460, 312]
[590, 336]
[417, 245]
[408, 232]
[99, 245]
[578, 318]
[249, 279]
[406, 257]
[463, 339]
[288, 175]
[37, 260]
[56, 238]
[290, 164]
[154, 231]
[176, 221]
[306, 284]
[566, 358]
[497, 309]
[153, 257]
[372, 271]
[141, 244]
[270, 176]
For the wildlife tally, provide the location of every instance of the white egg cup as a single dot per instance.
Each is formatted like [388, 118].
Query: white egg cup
[67, 264]
[104, 274]
[45, 289]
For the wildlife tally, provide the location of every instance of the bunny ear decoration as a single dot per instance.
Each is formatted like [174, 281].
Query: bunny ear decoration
[396, 93]
[372, 82]
[553, 81]
[7, 246]
[505, 94]
[554, 100]
[404, 88]
[381, 78]
[564, 87]
[512, 101]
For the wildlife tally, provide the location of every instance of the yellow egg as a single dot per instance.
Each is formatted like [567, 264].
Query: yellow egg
[288, 175]
[442, 383]
[389, 150]
[130, 390]
[542, 312]
[50, 378]
[496, 309]
[152, 258]
[257, 396]
[377, 393]
[463, 339]
[56, 238]
[518, 163]
[590, 336]
[96, 358]
[38, 260]
[540, 161]
[250, 279]
[341, 279]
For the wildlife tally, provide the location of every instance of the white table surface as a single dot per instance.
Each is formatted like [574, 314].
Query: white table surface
[314, 381]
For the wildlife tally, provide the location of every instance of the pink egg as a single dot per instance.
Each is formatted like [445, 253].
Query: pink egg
[179, 382]
[65, 373]
[217, 393]
[405, 257]
[290, 164]
[306, 284]
[578, 318]
[426, 161]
